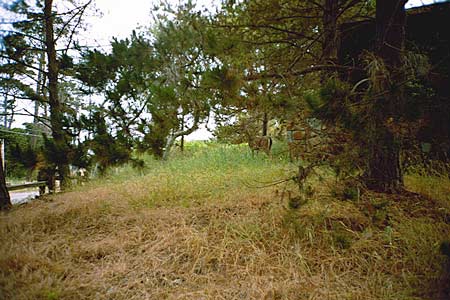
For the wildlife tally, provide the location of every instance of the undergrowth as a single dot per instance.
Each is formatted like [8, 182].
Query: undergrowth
[209, 224]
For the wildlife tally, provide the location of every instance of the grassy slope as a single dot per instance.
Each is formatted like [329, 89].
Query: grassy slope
[198, 228]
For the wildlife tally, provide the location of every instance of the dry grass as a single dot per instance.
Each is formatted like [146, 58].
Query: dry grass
[201, 233]
[436, 187]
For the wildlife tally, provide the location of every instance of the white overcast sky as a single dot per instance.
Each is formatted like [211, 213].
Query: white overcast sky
[118, 18]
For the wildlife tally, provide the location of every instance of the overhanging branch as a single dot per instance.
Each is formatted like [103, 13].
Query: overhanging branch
[312, 69]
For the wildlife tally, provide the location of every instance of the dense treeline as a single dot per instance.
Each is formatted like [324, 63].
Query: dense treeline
[256, 67]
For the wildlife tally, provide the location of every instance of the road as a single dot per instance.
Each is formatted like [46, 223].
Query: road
[23, 196]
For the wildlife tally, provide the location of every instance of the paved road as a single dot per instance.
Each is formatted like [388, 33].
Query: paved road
[23, 196]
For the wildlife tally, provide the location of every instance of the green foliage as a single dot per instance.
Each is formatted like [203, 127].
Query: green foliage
[226, 83]
[331, 102]
[27, 156]
[151, 80]
[33, 70]
[54, 153]
[313, 100]
[342, 239]
[21, 157]
[51, 295]
[95, 69]
[351, 193]
[249, 59]
[22, 49]
[228, 134]
[108, 151]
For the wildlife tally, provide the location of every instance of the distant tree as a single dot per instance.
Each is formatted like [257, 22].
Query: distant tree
[152, 81]
[19, 55]
[125, 79]
[108, 150]
[33, 39]
[20, 155]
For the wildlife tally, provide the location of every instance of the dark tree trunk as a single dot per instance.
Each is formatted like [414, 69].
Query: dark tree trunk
[182, 144]
[182, 137]
[390, 30]
[384, 172]
[56, 107]
[265, 124]
[5, 200]
[330, 42]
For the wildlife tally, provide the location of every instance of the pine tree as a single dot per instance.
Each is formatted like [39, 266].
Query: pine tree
[39, 34]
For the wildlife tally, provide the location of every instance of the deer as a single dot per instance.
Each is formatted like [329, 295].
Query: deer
[248, 129]
[260, 143]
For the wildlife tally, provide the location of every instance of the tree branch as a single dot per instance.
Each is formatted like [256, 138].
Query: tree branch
[22, 63]
[171, 139]
[311, 69]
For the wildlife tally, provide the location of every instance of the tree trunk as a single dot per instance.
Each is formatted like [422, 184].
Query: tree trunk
[265, 124]
[384, 172]
[330, 40]
[182, 137]
[56, 108]
[171, 139]
[390, 31]
[39, 92]
[5, 200]
[5, 110]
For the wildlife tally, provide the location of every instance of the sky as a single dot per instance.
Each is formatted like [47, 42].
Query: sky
[119, 18]
[414, 3]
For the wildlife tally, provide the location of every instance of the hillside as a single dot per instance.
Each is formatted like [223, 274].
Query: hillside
[210, 224]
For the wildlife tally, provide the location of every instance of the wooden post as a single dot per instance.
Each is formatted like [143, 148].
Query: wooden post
[2, 149]
[5, 200]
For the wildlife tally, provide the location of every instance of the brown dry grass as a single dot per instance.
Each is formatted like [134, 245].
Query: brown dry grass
[207, 235]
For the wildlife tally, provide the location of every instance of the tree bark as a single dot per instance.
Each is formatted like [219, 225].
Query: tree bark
[384, 172]
[56, 107]
[5, 200]
[182, 137]
[40, 92]
[330, 42]
[265, 124]
[171, 139]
